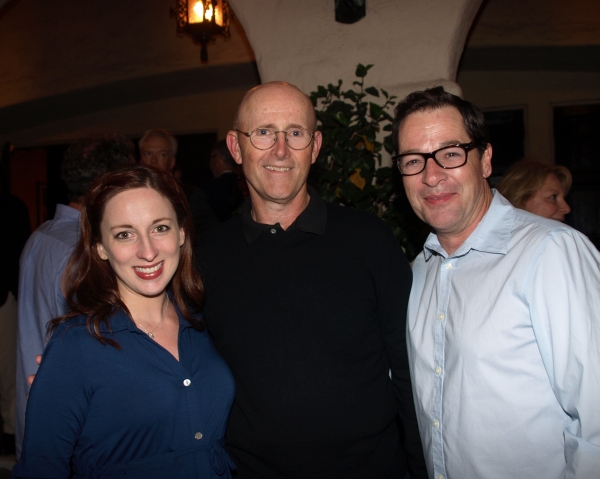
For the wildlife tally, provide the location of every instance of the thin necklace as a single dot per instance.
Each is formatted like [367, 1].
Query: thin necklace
[151, 333]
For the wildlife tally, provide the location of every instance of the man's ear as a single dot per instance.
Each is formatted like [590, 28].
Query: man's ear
[486, 161]
[317, 140]
[233, 144]
[101, 252]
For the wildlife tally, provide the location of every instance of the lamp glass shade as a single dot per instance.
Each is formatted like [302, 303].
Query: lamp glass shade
[196, 12]
[205, 10]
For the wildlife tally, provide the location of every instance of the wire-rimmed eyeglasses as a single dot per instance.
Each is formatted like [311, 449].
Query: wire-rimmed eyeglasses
[265, 138]
[448, 157]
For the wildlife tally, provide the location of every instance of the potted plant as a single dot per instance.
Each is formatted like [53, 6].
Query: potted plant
[348, 169]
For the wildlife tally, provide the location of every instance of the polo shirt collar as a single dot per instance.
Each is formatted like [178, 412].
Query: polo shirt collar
[312, 220]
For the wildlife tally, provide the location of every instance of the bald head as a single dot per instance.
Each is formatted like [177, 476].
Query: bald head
[290, 96]
[276, 175]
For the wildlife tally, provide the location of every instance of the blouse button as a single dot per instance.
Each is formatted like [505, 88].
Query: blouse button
[198, 435]
[187, 382]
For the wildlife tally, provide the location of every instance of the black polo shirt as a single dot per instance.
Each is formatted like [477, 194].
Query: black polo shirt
[310, 320]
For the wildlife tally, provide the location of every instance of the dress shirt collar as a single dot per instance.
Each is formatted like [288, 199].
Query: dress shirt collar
[64, 211]
[490, 236]
[312, 220]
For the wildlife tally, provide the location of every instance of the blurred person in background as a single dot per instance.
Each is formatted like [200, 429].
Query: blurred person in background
[158, 148]
[46, 253]
[224, 195]
[538, 188]
[15, 214]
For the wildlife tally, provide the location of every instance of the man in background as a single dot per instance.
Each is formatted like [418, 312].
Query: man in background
[158, 148]
[224, 194]
[46, 253]
[15, 215]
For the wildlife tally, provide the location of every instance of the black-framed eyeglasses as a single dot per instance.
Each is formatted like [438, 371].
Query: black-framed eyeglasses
[448, 157]
[265, 138]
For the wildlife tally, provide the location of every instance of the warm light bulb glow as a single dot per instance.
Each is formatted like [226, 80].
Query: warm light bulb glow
[196, 12]
[209, 13]
[219, 13]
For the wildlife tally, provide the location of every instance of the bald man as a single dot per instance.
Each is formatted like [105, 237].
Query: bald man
[307, 301]
[158, 148]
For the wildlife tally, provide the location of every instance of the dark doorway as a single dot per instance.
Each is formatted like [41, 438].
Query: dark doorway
[576, 146]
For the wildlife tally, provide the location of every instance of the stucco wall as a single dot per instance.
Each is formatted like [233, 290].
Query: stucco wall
[412, 44]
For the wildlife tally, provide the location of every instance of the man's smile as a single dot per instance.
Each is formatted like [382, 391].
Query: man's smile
[278, 168]
[439, 198]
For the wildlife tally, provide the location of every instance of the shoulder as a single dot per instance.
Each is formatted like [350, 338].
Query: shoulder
[542, 240]
[12, 205]
[360, 224]
[71, 327]
[70, 338]
[530, 227]
[46, 253]
[220, 238]
[59, 232]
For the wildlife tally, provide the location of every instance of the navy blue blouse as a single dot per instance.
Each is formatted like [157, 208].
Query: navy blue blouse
[99, 412]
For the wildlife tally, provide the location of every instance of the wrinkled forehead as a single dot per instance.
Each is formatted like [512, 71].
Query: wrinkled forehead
[277, 105]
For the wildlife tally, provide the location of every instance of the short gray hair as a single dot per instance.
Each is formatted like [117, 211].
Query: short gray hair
[160, 133]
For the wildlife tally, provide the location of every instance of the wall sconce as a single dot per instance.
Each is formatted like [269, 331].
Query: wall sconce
[202, 20]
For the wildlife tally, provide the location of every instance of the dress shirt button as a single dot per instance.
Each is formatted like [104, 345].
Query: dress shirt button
[439, 476]
[436, 424]
[198, 435]
[449, 266]
[438, 370]
[273, 231]
[441, 316]
[187, 382]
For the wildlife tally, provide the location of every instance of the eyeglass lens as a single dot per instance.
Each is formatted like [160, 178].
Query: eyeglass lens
[448, 157]
[264, 138]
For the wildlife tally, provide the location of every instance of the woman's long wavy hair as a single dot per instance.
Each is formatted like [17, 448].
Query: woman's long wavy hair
[89, 282]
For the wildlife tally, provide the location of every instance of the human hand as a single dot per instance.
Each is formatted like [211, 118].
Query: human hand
[31, 377]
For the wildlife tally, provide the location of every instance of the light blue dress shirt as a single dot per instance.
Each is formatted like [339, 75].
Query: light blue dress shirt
[504, 346]
[43, 261]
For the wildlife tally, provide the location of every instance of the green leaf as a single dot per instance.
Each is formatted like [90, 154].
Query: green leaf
[375, 110]
[361, 71]
[388, 144]
[372, 91]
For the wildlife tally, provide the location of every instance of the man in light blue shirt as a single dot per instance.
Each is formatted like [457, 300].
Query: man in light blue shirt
[503, 327]
[46, 253]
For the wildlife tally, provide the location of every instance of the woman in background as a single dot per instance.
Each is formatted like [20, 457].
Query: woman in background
[538, 188]
[130, 385]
